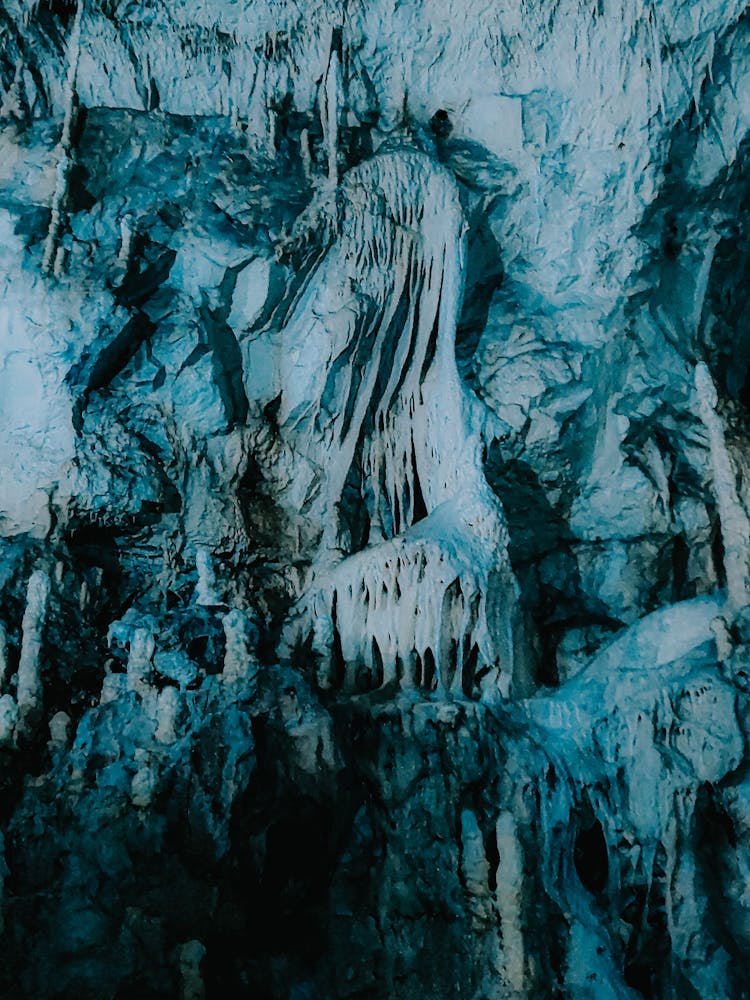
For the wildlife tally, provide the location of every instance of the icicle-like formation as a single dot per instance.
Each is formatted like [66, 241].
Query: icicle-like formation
[735, 526]
[369, 359]
[64, 147]
[418, 610]
[257, 117]
[371, 382]
[29, 667]
[330, 101]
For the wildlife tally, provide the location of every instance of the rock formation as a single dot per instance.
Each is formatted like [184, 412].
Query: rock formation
[374, 518]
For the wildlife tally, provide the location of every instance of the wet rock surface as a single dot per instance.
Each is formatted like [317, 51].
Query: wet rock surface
[374, 511]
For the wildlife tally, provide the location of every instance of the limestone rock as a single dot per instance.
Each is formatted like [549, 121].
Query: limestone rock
[375, 499]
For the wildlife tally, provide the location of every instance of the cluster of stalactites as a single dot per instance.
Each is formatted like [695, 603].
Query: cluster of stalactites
[418, 606]
[403, 622]
[385, 301]
[425, 611]
[53, 252]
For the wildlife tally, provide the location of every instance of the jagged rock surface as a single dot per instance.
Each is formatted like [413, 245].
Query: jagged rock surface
[374, 509]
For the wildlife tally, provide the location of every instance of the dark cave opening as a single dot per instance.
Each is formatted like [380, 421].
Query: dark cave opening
[441, 124]
[469, 670]
[492, 853]
[484, 275]
[681, 590]
[547, 673]
[338, 664]
[727, 312]
[640, 975]
[429, 676]
[62, 10]
[590, 857]
[377, 663]
[295, 877]
[717, 550]
[419, 507]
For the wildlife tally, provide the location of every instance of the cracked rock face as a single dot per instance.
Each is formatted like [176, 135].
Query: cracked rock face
[375, 500]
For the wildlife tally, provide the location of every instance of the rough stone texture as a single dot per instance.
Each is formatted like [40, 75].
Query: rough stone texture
[374, 508]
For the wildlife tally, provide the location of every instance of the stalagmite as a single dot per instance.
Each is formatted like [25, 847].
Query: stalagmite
[735, 525]
[8, 719]
[59, 732]
[112, 686]
[323, 635]
[509, 897]
[473, 858]
[191, 955]
[360, 410]
[144, 781]
[29, 692]
[240, 659]
[168, 708]
[723, 637]
[140, 661]
[206, 595]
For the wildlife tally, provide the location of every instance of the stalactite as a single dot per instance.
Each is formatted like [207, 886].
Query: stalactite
[331, 124]
[405, 799]
[258, 120]
[403, 409]
[51, 259]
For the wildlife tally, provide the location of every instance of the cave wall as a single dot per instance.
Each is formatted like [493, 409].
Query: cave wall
[374, 524]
